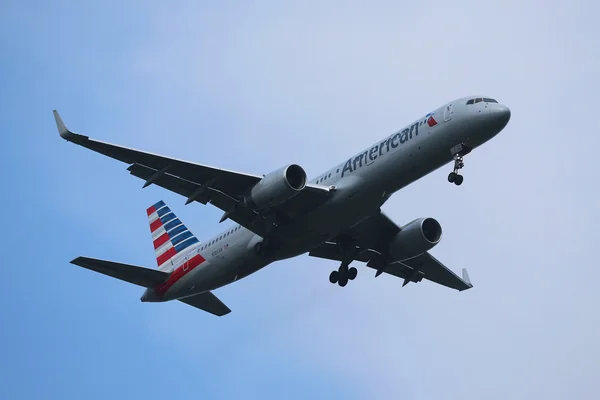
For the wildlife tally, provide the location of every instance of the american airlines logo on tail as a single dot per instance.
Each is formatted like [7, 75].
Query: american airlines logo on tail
[169, 235]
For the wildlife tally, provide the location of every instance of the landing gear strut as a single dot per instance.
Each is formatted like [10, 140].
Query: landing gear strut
[343, 273]
[458, 152]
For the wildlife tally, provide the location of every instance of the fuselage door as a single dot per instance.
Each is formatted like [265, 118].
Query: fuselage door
[186, 264]
[448, 111]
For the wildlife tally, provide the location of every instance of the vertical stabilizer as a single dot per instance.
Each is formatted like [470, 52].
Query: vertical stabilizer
[169, 235]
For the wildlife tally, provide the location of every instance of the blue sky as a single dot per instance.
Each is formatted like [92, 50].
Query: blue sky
[255, 85]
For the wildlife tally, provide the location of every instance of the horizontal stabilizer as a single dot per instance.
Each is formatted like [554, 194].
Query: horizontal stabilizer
[207, 302]
[129, 273]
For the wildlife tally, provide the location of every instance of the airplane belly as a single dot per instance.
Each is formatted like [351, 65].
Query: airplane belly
[225, 267]
[361, 194]
[351, 205]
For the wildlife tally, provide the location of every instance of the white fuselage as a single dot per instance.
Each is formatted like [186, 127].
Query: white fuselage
[363, 183]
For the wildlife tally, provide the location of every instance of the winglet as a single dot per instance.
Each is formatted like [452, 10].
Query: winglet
[465, 276]
[62, 129]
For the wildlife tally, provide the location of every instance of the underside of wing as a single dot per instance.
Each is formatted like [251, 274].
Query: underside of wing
[228, 181]
[432, 270]
[369, 242]
[204, 184]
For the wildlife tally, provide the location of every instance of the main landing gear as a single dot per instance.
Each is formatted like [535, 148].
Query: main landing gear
[458, 152]
[343, 273]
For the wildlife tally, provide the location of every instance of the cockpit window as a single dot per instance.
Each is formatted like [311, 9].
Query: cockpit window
[479, 100]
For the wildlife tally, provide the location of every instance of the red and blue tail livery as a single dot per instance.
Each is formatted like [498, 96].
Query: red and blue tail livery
[169, 235]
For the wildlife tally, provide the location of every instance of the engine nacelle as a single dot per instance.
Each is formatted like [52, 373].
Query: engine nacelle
[277, 187]
[415, 238]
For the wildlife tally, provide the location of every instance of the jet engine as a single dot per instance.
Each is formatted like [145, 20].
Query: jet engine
[415, 238]
[277, 187]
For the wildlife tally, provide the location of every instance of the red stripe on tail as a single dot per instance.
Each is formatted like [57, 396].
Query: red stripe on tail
[179, 273]
[166, 256]
[161, 240]
[155, 225]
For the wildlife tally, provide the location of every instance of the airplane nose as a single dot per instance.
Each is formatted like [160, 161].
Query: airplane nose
[500, 115]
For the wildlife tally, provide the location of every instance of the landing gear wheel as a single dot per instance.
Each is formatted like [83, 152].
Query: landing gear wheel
[458, 153]
[333, 277]
[352, 272]
[343, 275]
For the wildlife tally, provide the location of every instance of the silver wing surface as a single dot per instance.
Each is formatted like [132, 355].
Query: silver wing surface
[371, 238]
[204, 184]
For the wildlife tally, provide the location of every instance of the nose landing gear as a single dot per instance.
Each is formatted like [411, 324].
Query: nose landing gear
[458, 152]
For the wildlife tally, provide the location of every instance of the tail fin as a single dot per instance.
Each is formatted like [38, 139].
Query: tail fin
[169, 235]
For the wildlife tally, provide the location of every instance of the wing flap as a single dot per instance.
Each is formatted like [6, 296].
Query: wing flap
[207, 302]
[331, 251]
[141, 276]
[168, 181]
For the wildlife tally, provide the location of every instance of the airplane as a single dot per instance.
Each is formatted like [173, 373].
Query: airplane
[280, 215]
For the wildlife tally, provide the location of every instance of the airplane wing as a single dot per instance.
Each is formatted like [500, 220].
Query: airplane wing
[371, 237]
[222, 188]
[207, 302]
